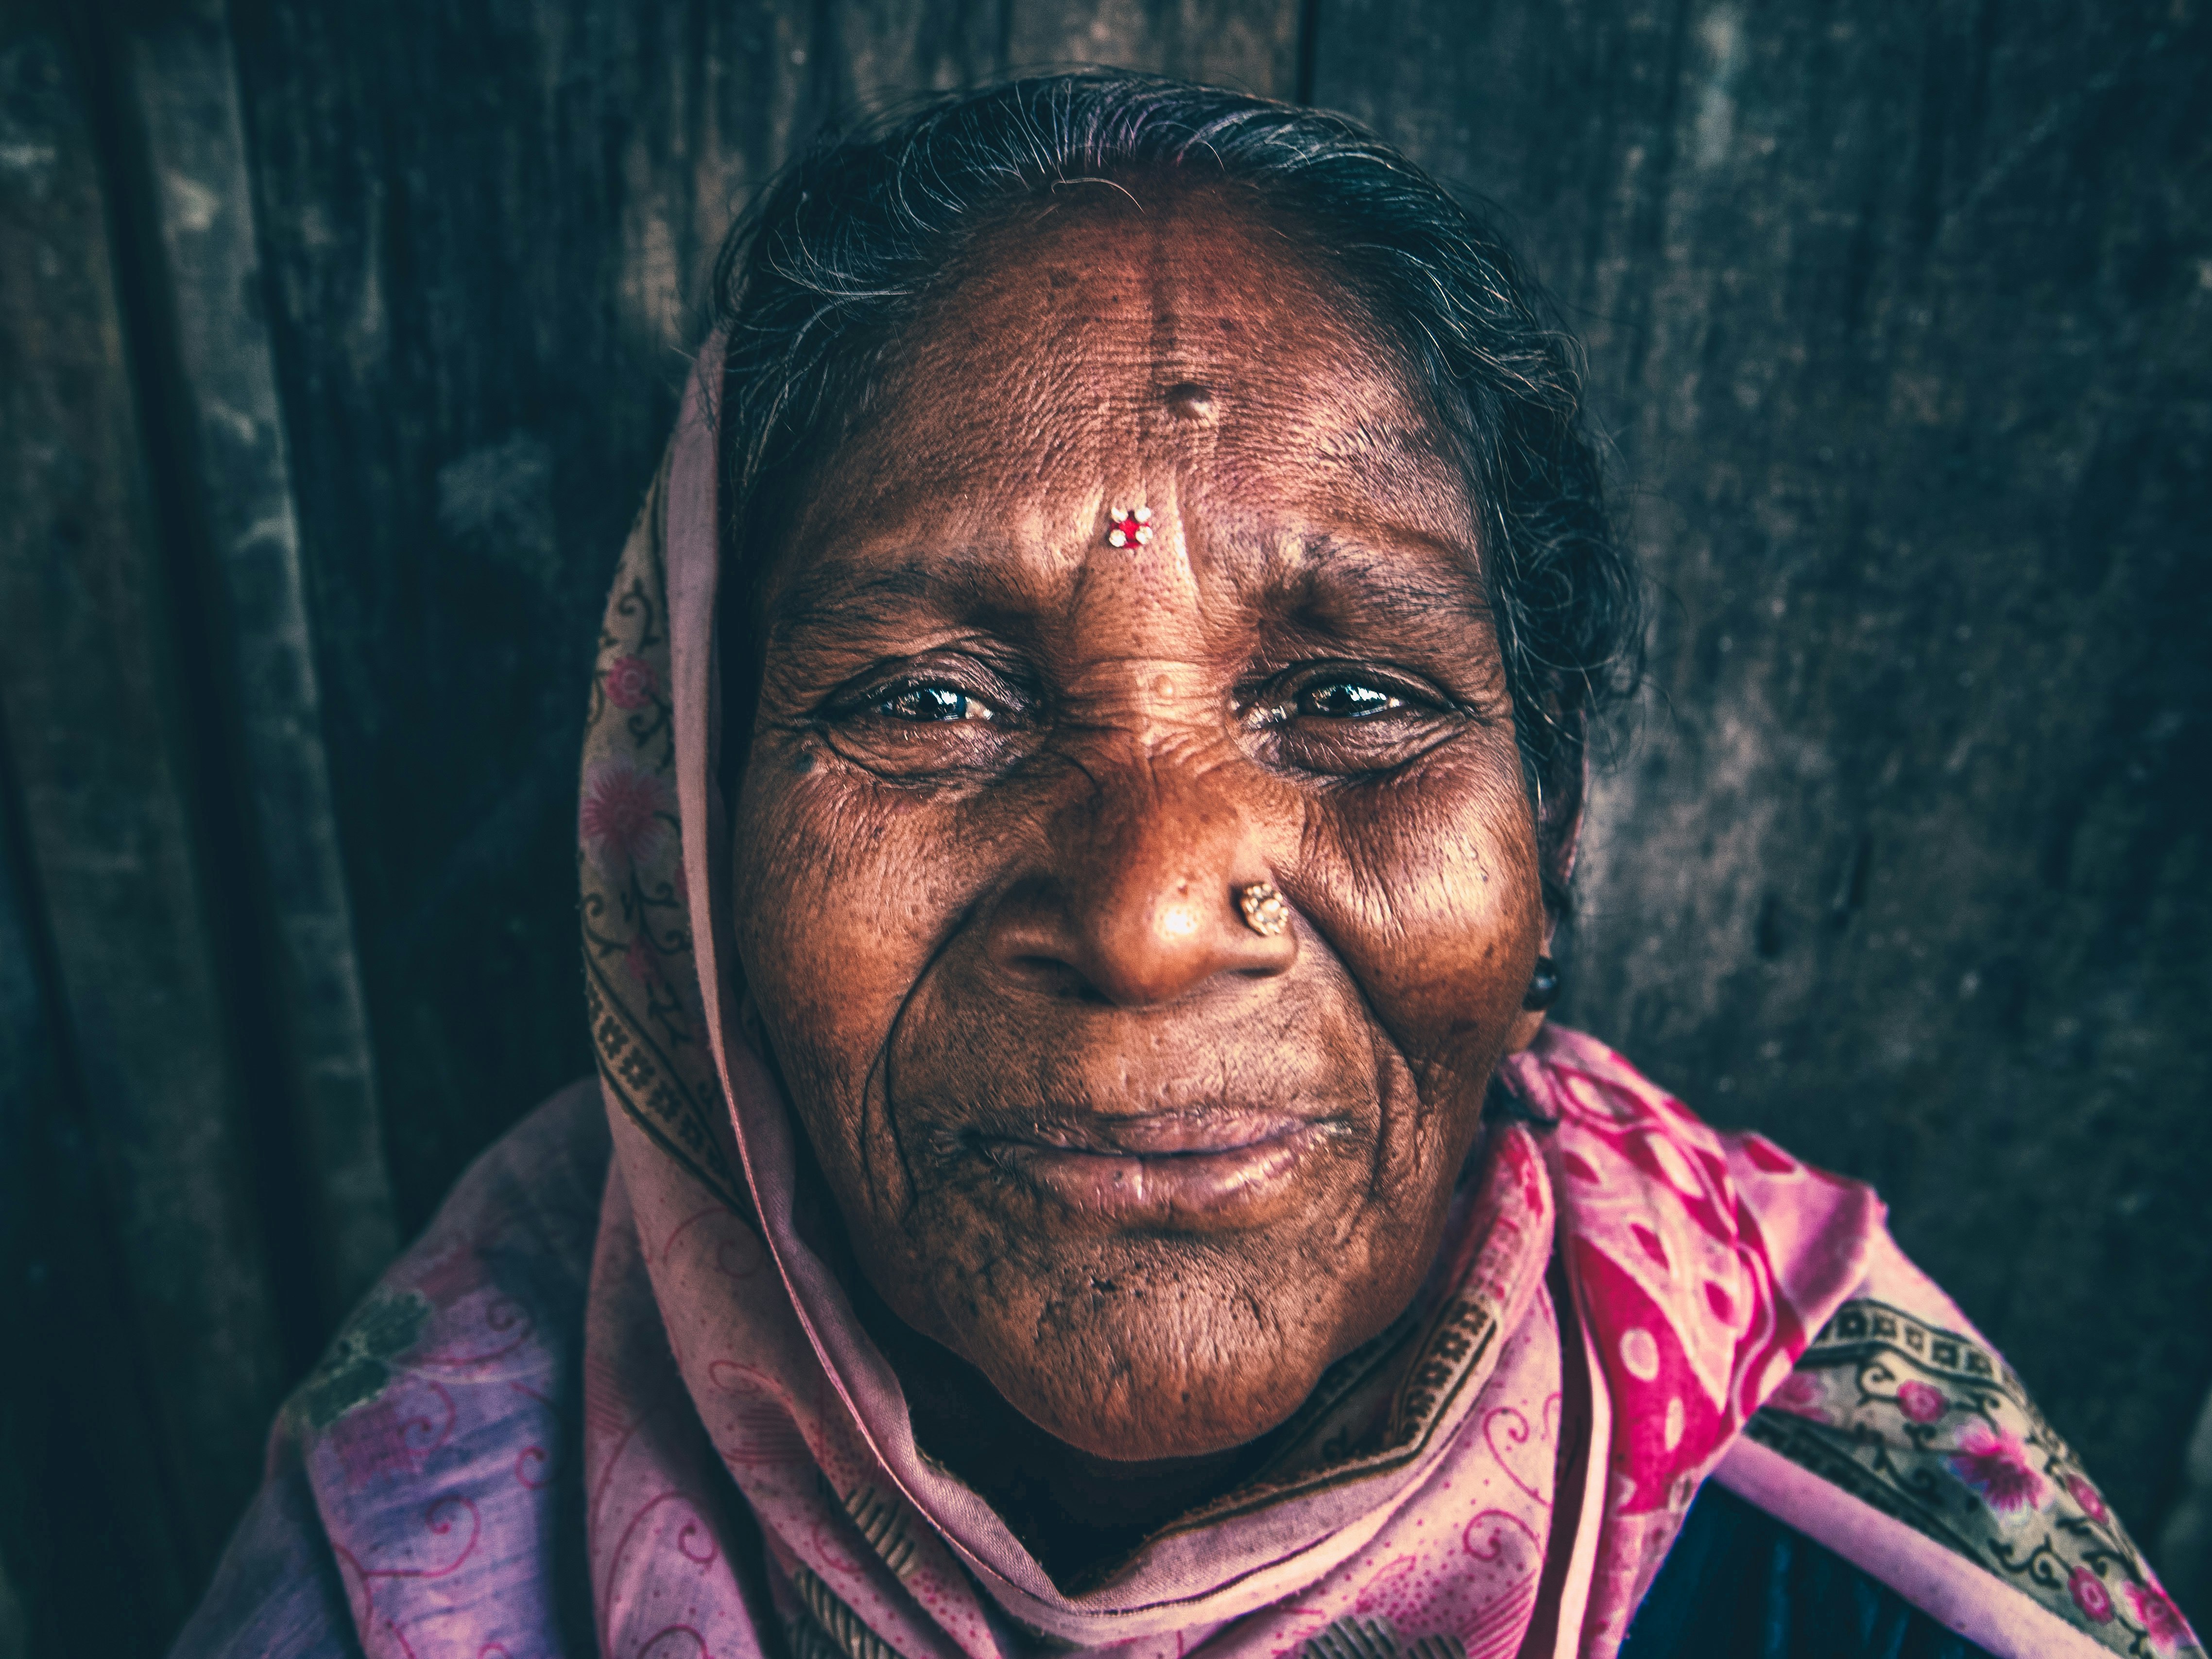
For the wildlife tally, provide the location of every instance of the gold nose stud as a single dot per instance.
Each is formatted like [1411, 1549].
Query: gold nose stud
[1265, 913]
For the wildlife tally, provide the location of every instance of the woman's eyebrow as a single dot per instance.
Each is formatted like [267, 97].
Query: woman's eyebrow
[846, 595]
[1437, 579]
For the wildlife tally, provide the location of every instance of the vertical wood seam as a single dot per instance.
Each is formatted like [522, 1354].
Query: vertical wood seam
[181, 78]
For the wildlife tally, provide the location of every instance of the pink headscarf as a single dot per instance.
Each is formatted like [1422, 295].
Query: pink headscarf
[1624, 1304]
[1516, 1464]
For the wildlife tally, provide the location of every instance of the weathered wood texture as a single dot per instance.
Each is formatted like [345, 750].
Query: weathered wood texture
[487, 232]
[229, 430]
[1901, 320]
[142, 1324]
[339, 343]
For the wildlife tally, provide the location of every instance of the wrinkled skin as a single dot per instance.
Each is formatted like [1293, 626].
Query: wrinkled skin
[1145, 1170]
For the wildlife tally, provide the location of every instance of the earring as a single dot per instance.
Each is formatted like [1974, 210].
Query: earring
[1543, 987]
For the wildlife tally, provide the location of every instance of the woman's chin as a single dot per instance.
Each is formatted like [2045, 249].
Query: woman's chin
[1141, 1348]
[1176, 1418]
[1189, 1374]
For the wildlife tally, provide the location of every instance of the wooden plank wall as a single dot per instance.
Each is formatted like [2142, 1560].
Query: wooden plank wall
[337, 342]
[1901, 320]
[144, 1320]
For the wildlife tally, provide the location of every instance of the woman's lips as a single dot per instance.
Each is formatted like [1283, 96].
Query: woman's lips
[1203, 1172]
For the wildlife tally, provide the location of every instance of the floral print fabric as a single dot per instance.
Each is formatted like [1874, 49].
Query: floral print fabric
[1930, 1427]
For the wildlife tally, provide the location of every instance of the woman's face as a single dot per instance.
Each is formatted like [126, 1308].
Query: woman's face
[1148, 1170]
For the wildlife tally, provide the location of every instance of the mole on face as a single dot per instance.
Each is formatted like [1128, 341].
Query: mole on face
[1189, 400]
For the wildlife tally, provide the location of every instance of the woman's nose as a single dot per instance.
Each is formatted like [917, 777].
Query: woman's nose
[1142, 904]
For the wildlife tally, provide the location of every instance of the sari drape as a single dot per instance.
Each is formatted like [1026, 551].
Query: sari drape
[1627, 1305]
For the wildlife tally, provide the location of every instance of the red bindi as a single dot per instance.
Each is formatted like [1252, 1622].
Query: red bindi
[1129, 526]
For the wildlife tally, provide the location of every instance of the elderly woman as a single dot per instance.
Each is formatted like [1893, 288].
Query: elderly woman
[1084, 765]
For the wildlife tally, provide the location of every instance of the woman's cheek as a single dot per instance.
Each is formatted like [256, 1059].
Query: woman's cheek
[808, 909]
[832, 940]
[862, 884]
[1429, 893]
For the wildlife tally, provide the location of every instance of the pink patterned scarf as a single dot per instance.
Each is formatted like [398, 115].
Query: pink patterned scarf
[1625, 1302]
[1698, 1267]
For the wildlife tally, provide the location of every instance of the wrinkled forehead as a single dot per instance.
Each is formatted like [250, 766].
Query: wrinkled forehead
[1147, 340]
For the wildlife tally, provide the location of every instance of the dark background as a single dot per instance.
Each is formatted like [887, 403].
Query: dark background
[337, 343]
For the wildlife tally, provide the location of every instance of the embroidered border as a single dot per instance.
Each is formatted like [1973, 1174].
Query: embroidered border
[884, 1521]
[1376, 1638]
[646, 1086]
[826, 1628]
[642, 994]
[1931, 1429]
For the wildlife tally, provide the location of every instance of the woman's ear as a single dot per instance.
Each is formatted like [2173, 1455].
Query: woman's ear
[1562, 787]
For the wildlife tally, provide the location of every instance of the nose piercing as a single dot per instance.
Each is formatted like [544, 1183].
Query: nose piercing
[1129, 526]
[1265, 913]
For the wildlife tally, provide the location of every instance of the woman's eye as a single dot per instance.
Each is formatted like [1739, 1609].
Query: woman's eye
[1345, 720]
[1347, 699]
[923, 730]
[922, 703]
